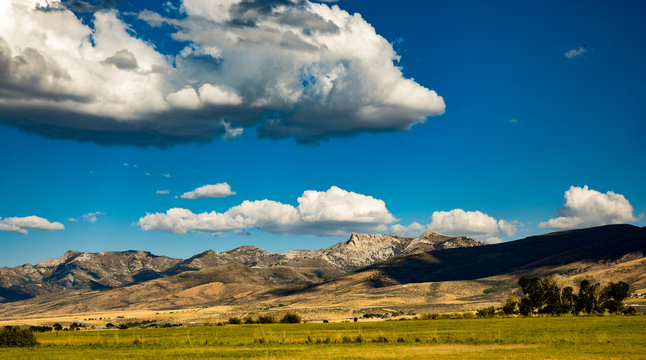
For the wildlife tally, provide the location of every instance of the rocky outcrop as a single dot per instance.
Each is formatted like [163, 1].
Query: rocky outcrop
[362, 250]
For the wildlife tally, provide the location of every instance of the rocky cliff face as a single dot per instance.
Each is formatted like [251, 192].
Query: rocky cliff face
[362, 250]
[90, 271]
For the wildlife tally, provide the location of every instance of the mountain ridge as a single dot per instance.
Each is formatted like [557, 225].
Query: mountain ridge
[112, 269]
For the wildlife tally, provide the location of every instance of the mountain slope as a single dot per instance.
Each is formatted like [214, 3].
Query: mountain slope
[76, 270]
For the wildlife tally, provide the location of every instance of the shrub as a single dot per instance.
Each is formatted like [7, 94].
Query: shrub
[248, 320]
[13, 336]
[109, 325]
[291, 318]
[235, 320]
[486, 312]
[266, 319]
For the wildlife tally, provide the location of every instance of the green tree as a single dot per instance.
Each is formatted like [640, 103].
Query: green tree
[57, 327]
[511, 306]
[551, 297]
[235, 320]
[587, 301]
[613, 295]
[533, 295]
[567, 300]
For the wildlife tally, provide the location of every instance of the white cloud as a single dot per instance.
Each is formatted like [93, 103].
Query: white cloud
[333, 212]
[585, 207]
[575, 53]
[413, 229]
[162, 192]
[292, 69]
[92, 217]
[458, 222]
[209, 191]
[22, 224]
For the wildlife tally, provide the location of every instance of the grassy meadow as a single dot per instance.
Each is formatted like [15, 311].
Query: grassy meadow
[603, 337]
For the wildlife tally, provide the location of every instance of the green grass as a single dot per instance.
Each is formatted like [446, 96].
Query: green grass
[512, 338]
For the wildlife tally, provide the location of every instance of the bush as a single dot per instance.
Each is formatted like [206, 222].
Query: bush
[486, 312]
[291, 318]
[13, 336]
[235, 320]
[266, 319]
[248, 320]
[109, 325]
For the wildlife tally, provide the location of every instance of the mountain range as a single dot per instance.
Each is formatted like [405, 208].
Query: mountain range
[365, 273]
[111, 269]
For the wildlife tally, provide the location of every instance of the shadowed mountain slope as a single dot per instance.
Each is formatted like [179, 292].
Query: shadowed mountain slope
[606, 243]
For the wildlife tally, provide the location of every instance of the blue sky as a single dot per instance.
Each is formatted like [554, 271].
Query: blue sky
[520, 126]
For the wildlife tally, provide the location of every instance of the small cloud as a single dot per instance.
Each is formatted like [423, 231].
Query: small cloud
[22, 224]
[575, 53]
[126, 164]
[72, 220]
[513, 121]
[413, 229]
[244, 233]
[209, 191]
[162, 192]
[92, 217]
[167, 175]
[147, 173]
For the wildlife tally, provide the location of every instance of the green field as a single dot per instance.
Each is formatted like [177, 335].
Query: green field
[498, 338]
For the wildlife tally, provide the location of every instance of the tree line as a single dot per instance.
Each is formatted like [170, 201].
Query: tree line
[544, 296]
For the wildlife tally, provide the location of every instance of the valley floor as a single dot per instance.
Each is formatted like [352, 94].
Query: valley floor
[605, 337]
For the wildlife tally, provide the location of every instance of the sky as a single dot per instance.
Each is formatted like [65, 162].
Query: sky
[180, 126]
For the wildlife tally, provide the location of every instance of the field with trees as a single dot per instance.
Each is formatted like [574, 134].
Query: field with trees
[565, 337]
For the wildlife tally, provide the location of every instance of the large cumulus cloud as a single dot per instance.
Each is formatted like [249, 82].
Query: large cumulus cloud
[331, 212]
[291, 67]
[585, 207]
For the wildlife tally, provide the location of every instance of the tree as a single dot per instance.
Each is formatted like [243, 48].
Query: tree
[291, 318]
[57, 327]
[587, 301]
[511, 306]
[533, 295]
[235, 320]
[567, 300]
[109, 325]
[248, 320]
[551, 297]
[613, 295]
